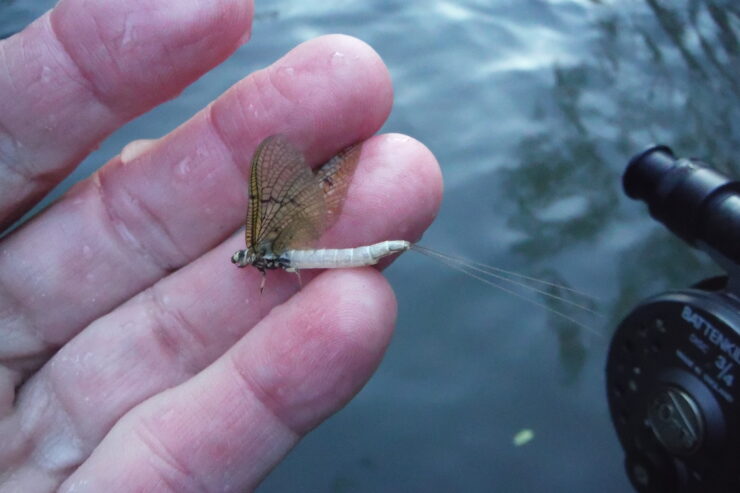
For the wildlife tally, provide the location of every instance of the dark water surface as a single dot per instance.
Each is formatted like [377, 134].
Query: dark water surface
[533, 108]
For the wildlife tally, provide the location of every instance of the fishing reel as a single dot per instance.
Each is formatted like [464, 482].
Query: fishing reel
[673, 370]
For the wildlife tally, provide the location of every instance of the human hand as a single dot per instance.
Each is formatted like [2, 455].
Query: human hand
[135, 357]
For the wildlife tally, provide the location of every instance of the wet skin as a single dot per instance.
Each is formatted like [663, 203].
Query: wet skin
[134, 355]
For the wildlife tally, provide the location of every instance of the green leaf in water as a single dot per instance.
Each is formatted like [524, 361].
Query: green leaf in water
[523, 437]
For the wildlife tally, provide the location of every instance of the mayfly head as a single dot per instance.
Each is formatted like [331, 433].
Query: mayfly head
[242, 258]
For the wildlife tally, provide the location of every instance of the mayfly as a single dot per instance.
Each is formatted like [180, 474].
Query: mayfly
[290, 206]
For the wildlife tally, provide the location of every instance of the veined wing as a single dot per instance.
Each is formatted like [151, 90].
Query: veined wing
[335, 177]
[286, 203]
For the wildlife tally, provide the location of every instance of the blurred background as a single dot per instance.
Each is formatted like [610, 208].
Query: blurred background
[533, 108]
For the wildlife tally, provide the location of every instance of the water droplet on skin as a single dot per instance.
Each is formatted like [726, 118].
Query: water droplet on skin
[128, 31]
[86, 251]
[9, 148]
[289, 71]
[183, 167]
[45, 74]
[78, 486]
[338, 58]
[398, 138]
[135, 148]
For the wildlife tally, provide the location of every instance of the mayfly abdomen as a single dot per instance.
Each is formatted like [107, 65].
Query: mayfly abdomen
[330, 258]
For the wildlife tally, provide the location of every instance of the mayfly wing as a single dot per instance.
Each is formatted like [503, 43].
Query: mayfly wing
[335, 177]
[286, 203]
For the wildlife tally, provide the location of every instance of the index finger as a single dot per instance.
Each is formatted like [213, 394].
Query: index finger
[86, 67]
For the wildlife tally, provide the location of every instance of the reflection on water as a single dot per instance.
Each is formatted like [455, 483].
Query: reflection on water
[533, 109]
[677, 86]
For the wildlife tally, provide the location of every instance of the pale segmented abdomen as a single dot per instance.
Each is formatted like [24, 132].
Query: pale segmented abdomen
[331, 258]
